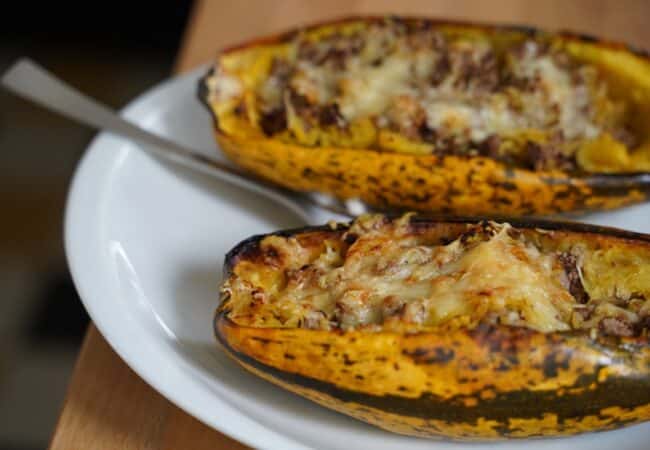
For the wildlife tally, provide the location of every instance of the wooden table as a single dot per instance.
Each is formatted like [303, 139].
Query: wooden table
[108, 406]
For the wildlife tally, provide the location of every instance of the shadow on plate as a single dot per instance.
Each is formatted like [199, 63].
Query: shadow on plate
[197, 290]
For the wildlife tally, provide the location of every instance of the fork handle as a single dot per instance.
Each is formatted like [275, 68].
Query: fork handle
[31, 81]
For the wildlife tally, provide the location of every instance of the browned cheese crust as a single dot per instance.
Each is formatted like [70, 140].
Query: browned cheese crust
[435, 116]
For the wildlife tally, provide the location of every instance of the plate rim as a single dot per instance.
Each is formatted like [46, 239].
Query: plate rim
[268, 437]
[75, 208]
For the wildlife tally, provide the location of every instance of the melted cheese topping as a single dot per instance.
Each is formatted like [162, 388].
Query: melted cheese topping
[391, 279]
[368, 90]
[442, 91]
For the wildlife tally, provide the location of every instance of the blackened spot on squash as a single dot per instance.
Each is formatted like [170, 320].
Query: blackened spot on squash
[437, 355]
[381, 359]
[562, 194]
[420, 181]
[420, 198]
[441, 356]
[261, 340]
[502, 367]
[418, 352]
[396, 366]
[289, 356]
[402, 388]
[372, 179]
[553, 362]
[473, 367]
[326, 347]
[359, 377]
[347, 361]
[508, 186]
[307, 172]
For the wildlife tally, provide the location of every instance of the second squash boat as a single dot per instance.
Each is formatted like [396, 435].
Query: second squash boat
[438, 117]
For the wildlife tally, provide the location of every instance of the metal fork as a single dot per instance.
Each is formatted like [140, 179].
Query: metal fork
[32, 82]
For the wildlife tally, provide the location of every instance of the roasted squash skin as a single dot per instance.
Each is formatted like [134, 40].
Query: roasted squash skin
[450, 185]
[487, 383]
[475, 185]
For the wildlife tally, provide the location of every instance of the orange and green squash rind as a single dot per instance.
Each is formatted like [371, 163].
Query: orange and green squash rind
[452, 184]
[488, 383]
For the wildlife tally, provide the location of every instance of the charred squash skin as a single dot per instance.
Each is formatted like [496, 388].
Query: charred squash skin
[428, 183]
[451, 184]
[491, 382]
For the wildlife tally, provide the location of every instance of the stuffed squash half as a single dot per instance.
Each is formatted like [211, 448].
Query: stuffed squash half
[435, 116]
[469, 330]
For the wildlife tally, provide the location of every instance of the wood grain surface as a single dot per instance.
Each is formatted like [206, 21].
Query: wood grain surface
[215, 25]
[108, 406]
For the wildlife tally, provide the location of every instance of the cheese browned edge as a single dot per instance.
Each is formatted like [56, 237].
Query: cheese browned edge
[382, 274]
[412, 87]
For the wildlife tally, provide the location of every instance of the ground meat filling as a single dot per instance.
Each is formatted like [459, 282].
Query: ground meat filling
[616, 326]
[380, 276]
[273, 121]
[574, 281]
[455, 95]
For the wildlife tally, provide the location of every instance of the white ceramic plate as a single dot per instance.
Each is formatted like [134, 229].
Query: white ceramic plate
[145, 245]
